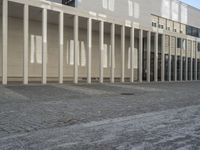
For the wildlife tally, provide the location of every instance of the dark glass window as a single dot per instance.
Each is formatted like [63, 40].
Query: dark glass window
[199, 33]
[69, 2]
[198, 47]
[154, 24]
[195, 32]
[179, 43]
[192, 31]
[188, 30]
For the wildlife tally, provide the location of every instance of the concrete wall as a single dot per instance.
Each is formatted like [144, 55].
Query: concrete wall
[142, 10]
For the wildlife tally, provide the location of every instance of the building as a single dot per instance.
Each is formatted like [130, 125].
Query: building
[99, 40]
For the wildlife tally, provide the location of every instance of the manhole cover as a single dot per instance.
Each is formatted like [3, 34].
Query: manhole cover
[128, 94]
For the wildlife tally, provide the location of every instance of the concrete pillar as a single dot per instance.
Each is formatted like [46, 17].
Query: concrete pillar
[195, 48]
[76, 49]
[163, 59]
[89, 47]
[101, 49]
[186, 59]
[140, 55]
[61, 37]
[26, 45]
[156, 58]
[112, 53]
[198, 67]
[148, 56]
[5, 41]
[191, 64]
[132, 52]
[170, 59]
[44, 49]
[175, 60]
[181, 63]
[122, 52]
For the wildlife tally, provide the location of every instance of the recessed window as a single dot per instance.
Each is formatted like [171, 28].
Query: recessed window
[198, 47]
[174, 30]
[192, 31]
[69, 2]
[160, 26]
[154, 24]
[199, 33]
[179, 43]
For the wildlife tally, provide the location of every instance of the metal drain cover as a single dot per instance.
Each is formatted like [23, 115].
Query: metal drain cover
[128, 94]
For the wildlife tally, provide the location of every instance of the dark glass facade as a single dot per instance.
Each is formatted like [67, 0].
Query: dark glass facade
[69, 2]
[192, 31]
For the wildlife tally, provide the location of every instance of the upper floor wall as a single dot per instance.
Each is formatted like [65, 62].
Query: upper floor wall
[140, 11]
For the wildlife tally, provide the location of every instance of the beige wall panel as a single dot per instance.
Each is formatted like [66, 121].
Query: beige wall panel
[162, 21]
[177, 27]
[178, 51]
[34, 68]
[173, 45]
[189, 48]
[170, 25]
[183, 29]
[15, 47]
[167, 44]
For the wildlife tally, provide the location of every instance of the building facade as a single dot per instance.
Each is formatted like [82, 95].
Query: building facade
[99, 41]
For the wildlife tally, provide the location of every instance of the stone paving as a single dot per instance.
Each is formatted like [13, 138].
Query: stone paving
[100, 116]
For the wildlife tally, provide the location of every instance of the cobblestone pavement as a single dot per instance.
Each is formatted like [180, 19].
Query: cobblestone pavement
[100, 116]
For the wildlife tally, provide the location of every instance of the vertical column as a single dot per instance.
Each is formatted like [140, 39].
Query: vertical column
[89, 46]
[186, 59]
[198, 66]
[156, 57]
[195, 48]
[148, 55]
[5, 41]
[44, 52]
[175, 60]
[101, 49]
[76, 49]
[112, 53]
[181, 63]
[140, 55]
[61, 36]
[132, 52]
[170, 60]
[26, 33]
[163, 59]
[122, 51]
[191, 62]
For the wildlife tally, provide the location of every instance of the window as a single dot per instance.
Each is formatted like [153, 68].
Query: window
[199, 33]
[198, 47]
[160, 26]
[195, 32]
[188, 30]
[168, 28]
[154, 24]
[192, 31]
[174, 30]
[69, 2]
[109, 4]
[130, 8]
[179, 43]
